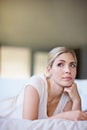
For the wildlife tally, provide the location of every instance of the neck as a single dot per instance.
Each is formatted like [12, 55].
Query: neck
[54, 90]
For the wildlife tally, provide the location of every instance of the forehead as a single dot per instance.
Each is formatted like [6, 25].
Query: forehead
[66, 57]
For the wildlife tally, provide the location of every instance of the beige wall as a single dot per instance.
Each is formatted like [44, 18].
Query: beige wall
[40, 23]
[15, 62]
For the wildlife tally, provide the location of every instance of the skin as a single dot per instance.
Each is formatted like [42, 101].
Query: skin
[62, 75]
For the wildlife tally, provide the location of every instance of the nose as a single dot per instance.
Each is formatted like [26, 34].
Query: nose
[67, 69]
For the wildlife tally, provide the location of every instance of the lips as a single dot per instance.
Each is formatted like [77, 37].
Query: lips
[67, 78]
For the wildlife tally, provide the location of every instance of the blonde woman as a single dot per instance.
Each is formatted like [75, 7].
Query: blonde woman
[56, 95]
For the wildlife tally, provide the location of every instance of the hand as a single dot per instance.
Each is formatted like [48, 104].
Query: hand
[76, 115]
[79, 115]
[71, 115]
[73, 92]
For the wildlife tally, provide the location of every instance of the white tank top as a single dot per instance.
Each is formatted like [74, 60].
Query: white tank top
[13, 107]
[40, 84]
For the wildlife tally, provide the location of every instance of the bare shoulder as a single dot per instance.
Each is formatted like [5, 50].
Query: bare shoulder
[31, 103]
[30, 90]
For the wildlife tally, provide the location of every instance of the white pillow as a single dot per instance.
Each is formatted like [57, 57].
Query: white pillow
[11, 87]
[82, 88]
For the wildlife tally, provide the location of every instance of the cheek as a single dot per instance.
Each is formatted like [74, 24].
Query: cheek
[74, 72]
[56, 72]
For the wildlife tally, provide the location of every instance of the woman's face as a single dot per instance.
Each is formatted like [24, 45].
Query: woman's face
[63, 70]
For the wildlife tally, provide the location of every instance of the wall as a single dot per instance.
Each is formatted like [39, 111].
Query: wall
[43, 23]
[83, 63]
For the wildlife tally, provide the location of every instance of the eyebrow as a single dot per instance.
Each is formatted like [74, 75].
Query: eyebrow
[70, 62]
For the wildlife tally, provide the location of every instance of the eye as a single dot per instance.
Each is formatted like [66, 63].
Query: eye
[60, 64]
[73, 65]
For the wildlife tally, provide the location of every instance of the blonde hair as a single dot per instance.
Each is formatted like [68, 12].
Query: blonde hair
[55, 52]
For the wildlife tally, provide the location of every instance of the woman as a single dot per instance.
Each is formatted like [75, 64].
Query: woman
[56, 95]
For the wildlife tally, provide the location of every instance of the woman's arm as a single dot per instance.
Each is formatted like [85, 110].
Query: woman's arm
[71, 115]
[72, 110]
[75, 97]
[31, 103]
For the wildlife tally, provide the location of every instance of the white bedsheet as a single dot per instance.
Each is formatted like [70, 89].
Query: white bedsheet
[44, 124]
[11, 114]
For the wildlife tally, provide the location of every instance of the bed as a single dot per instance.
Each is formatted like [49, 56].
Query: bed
[11, 99]
[44, 124]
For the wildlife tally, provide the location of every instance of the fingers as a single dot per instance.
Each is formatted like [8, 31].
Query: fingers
[69, 89]
[81, 115]
[72, 92]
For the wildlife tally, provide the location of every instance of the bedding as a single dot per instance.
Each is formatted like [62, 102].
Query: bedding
[44, 124]
[11, 111]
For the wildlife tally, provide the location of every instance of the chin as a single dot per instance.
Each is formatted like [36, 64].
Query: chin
[68, 84]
